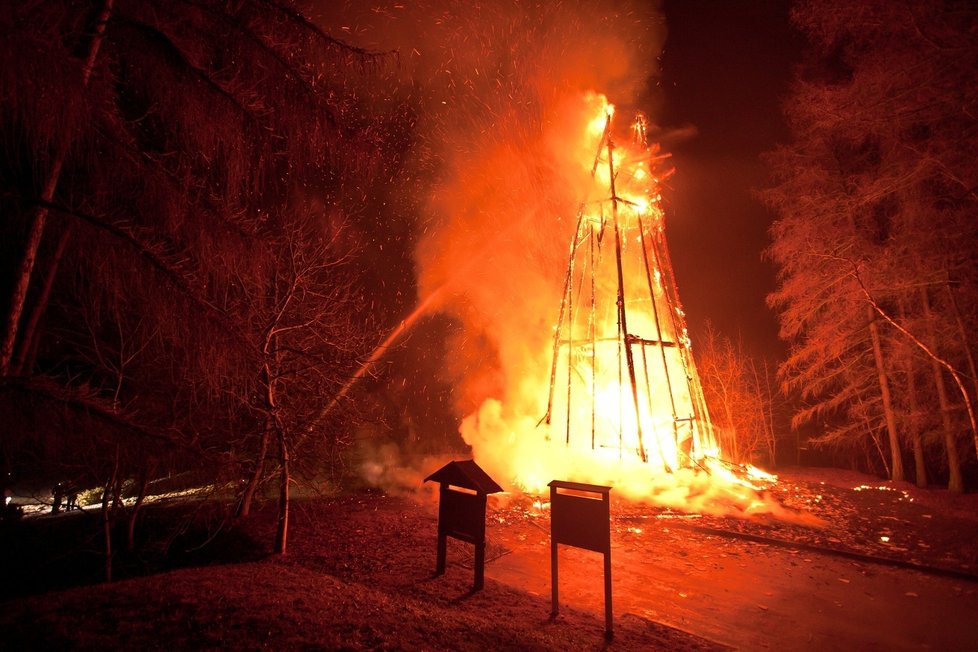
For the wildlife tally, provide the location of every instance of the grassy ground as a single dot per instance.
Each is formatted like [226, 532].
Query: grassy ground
[358, 574]
[365, 584]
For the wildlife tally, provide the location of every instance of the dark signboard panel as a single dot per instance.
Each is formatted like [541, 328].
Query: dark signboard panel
[580, 516]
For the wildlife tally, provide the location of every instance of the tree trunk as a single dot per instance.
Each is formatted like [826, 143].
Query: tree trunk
[244, 508]
[282, 532]
[954, 481]
[131, 529]
[107, 517]
[118, 504]
[879, 451]
[920, 466]
[896, 456]
[764, 404]
[26, 267]
[29, 332]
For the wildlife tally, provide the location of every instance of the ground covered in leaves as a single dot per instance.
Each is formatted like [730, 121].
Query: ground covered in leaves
[866, 516]
[358, 575]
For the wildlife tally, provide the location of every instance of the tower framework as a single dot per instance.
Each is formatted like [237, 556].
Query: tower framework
[623, 380]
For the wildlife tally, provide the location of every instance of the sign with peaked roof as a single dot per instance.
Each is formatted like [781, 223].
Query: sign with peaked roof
[467, 475]
[462, 511]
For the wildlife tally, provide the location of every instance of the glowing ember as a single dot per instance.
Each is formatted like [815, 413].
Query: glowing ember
[865, 487]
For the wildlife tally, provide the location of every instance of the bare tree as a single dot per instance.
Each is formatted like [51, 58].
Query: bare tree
[312, 333]
[202, 157]
[740, 405]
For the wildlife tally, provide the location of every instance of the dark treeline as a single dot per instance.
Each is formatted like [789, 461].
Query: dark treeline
[183, 185]
[876, 236]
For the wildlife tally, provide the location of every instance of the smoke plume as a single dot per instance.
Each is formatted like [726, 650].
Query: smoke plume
[503, 90]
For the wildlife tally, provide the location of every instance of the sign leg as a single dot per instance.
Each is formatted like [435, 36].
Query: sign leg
[442, 549]
[480, 565]
[608, 632]
[553, 579]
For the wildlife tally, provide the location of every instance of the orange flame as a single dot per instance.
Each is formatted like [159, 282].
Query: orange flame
[594, 426]
[658, 447]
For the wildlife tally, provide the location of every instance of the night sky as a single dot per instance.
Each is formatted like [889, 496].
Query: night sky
[725, 68]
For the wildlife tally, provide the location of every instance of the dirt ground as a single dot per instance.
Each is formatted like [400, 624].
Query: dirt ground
[756, 596]
[894, 568]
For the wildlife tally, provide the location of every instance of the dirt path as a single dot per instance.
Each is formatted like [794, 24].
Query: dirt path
[748, 595]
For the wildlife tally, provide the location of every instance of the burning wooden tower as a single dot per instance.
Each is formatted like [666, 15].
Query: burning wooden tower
[623, 381]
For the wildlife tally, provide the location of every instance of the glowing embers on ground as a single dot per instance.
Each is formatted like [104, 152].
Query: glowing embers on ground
[623, 384]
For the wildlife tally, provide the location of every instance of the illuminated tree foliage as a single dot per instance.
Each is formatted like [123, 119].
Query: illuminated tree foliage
[876, 195]
[179, 183]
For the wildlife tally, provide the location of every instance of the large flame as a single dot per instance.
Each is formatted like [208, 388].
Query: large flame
[598, 425]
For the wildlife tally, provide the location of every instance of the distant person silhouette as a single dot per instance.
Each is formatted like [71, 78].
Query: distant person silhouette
[58, 492]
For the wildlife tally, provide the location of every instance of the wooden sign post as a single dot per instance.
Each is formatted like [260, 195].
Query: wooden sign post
[580, 516]
[462, 511]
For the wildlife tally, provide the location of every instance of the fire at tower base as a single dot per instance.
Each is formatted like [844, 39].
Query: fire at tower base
[610, 395]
